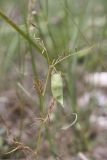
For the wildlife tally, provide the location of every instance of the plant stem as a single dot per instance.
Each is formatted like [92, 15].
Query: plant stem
[47, 77]
[20, 31]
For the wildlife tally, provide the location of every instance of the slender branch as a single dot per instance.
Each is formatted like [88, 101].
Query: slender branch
[69, 55]
[47, 77]
[20, 31]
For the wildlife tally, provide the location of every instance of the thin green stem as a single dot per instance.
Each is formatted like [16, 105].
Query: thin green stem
[42, 37]
[46, 82]
[69, 12]
[41, 100]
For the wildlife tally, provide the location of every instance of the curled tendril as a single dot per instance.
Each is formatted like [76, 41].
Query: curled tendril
[71, 124]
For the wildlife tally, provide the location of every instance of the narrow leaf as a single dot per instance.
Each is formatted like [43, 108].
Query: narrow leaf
[85, 51]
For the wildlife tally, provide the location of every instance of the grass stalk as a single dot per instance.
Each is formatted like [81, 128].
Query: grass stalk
[21, 32]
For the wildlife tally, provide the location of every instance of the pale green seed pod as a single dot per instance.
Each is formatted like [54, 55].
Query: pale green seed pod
[57, 87]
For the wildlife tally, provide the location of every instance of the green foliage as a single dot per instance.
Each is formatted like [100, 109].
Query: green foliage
[60, 33]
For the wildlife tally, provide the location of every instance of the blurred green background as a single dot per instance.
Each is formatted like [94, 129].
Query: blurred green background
[33, 34]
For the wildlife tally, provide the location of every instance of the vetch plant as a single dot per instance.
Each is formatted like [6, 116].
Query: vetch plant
[57, 91]
[54, 74]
